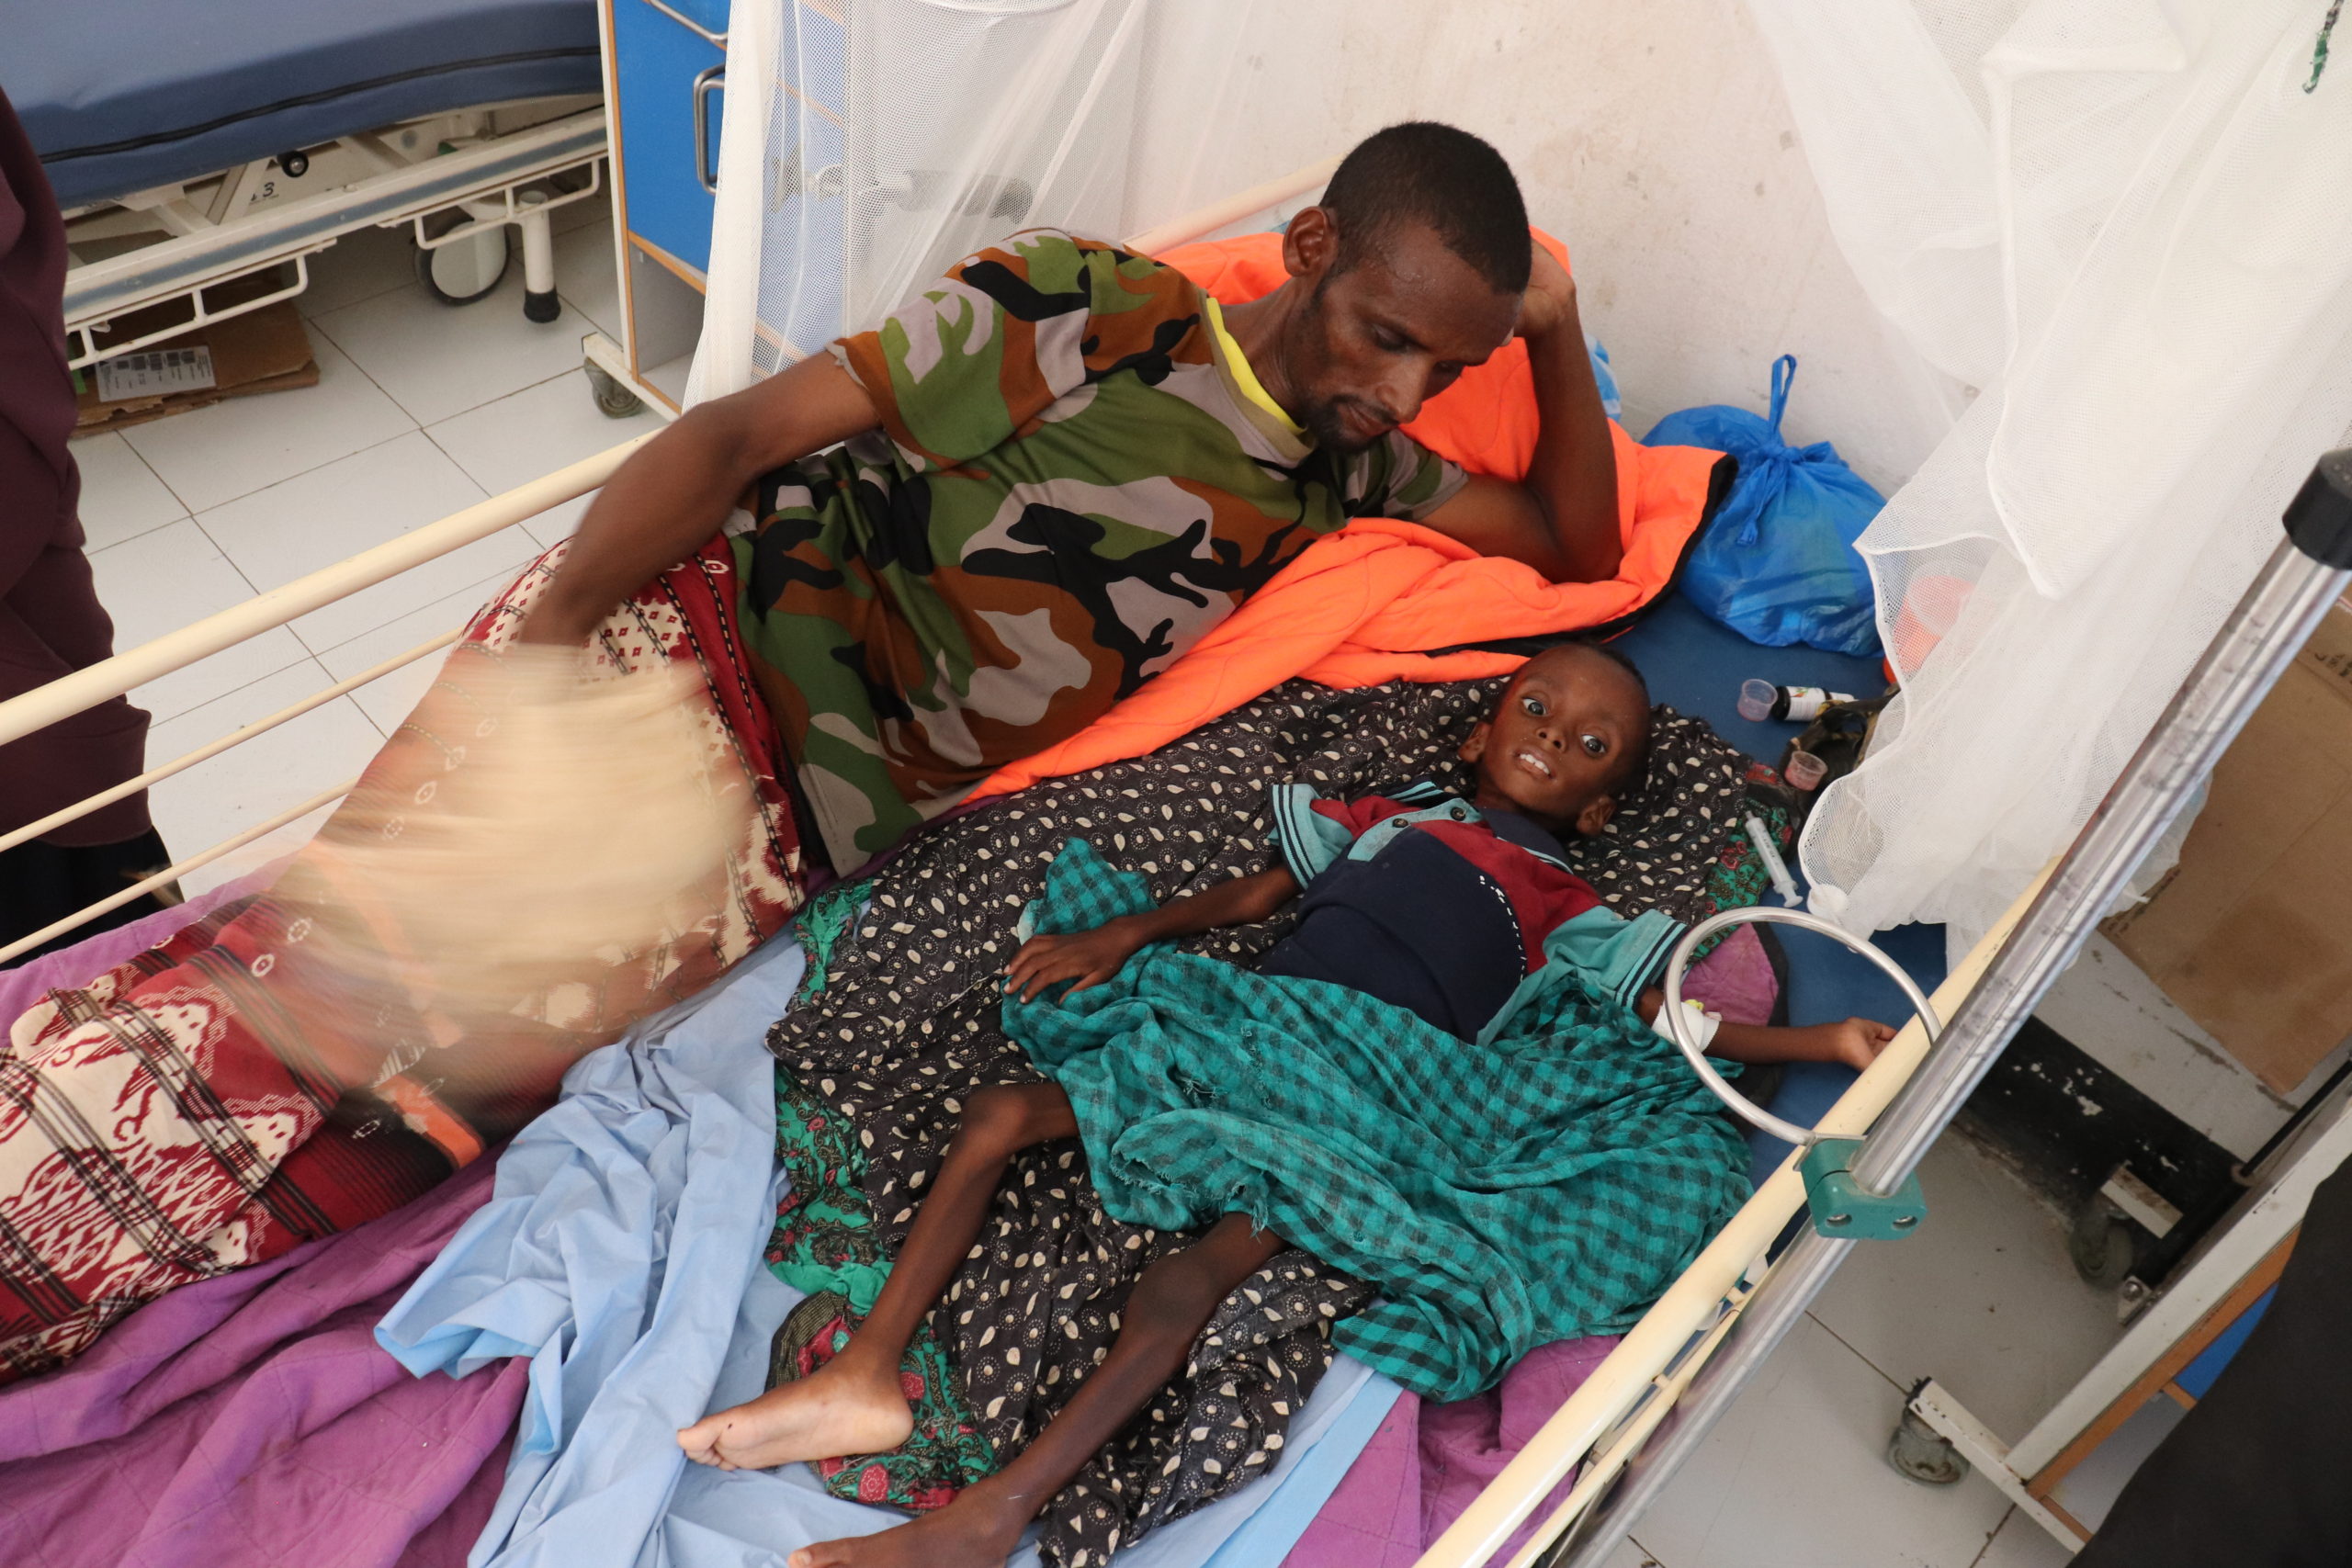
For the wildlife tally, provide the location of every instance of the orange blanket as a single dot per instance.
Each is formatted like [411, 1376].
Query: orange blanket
[1367, 603]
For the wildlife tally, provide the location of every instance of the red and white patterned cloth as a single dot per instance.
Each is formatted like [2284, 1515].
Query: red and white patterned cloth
[218, 1099]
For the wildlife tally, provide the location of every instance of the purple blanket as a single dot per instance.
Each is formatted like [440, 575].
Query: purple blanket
[1427, 1461]
[250, 1419]
[84, 962]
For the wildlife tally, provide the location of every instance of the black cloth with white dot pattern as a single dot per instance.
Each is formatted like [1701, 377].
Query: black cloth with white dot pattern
[907, 1024]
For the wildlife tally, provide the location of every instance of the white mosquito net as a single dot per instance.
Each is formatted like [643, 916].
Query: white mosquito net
[2122, 227]
[2116, 235]
[880, 147]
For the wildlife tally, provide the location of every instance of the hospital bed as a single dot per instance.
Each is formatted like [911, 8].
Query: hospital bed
[1623, 1433]
[204, 154]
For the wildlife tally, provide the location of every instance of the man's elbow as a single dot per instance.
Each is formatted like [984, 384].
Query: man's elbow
[725, 440]
[1582, 549]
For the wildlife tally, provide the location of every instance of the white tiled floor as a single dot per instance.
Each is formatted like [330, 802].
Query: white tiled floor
[422, 409]
[1985, 1301]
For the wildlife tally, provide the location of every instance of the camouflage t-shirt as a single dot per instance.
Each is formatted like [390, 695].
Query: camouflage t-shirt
[1068, 490]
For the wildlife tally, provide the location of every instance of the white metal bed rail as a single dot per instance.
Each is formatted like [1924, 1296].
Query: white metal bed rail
[65, 697]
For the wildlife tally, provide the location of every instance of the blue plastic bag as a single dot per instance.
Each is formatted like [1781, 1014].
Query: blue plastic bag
[1778, 564]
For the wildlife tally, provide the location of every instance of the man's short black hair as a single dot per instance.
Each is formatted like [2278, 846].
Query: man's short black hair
[1449, 179]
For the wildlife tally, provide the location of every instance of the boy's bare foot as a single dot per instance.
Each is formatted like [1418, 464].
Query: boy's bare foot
[836, 1410]
[978, 1530]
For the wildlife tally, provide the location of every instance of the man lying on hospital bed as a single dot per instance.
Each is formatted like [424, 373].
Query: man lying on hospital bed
[1048, 490]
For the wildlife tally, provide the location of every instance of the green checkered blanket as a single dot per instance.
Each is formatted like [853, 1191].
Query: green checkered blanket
[1549, 1185]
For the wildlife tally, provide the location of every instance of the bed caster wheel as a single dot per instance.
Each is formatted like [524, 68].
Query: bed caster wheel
[2103, 1244]
[294, 166]
[1920, 1453]
[613, 399]
[466, 270]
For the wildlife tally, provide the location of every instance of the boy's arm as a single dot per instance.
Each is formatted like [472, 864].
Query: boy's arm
[1091, 957]
[1856, 1042]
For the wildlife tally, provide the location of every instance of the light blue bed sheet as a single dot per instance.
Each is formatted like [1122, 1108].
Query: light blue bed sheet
[620, 1252]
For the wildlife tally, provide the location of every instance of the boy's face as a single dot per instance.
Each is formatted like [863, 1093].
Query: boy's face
[1560, 743]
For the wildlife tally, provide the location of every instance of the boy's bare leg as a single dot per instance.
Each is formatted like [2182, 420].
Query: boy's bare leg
[852, 1404]
[1171, 1304]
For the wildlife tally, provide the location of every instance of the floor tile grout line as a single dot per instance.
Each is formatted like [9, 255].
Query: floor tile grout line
[500, 576]
[305, 473]
[93, 551]
[352, 697]
[457, 413]
[594, 324]
[306, 657]
[186, 510]
[1994, 1534]
[429, 429]
[198, 518]
[516, 392]
[242, 576]
[326, 678]
[354, 358]
[1892, 1381]
[362, 299]
[311, 321]
[503, 575]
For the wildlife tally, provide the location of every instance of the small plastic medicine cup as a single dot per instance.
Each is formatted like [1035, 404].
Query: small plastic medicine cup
[1756, 700]
[1804, 770]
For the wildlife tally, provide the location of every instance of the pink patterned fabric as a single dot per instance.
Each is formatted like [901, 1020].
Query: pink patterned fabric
[1736, 980]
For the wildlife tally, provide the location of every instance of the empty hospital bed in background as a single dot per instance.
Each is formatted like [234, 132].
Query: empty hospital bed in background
[203, 153]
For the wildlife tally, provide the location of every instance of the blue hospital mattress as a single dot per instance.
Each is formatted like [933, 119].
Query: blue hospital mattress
[120, 94]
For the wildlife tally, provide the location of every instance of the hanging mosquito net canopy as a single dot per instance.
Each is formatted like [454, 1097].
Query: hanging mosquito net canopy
[2104, 248]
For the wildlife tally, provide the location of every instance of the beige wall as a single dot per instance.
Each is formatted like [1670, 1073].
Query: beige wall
[1651, 135]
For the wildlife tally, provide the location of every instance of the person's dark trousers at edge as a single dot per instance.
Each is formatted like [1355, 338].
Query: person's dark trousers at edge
[2258, 1474]
[50, 622]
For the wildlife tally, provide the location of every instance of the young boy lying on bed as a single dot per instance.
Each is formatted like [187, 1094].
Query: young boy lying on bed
[1444, 909]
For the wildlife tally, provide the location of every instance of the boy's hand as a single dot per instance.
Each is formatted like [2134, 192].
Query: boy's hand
[1856, 1042]
[1087, 957]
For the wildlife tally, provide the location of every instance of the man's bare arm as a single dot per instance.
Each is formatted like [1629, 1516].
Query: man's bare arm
[1563, 519]
[669, 497]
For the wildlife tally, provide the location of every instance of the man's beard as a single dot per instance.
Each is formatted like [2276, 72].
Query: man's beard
[1328, 426]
